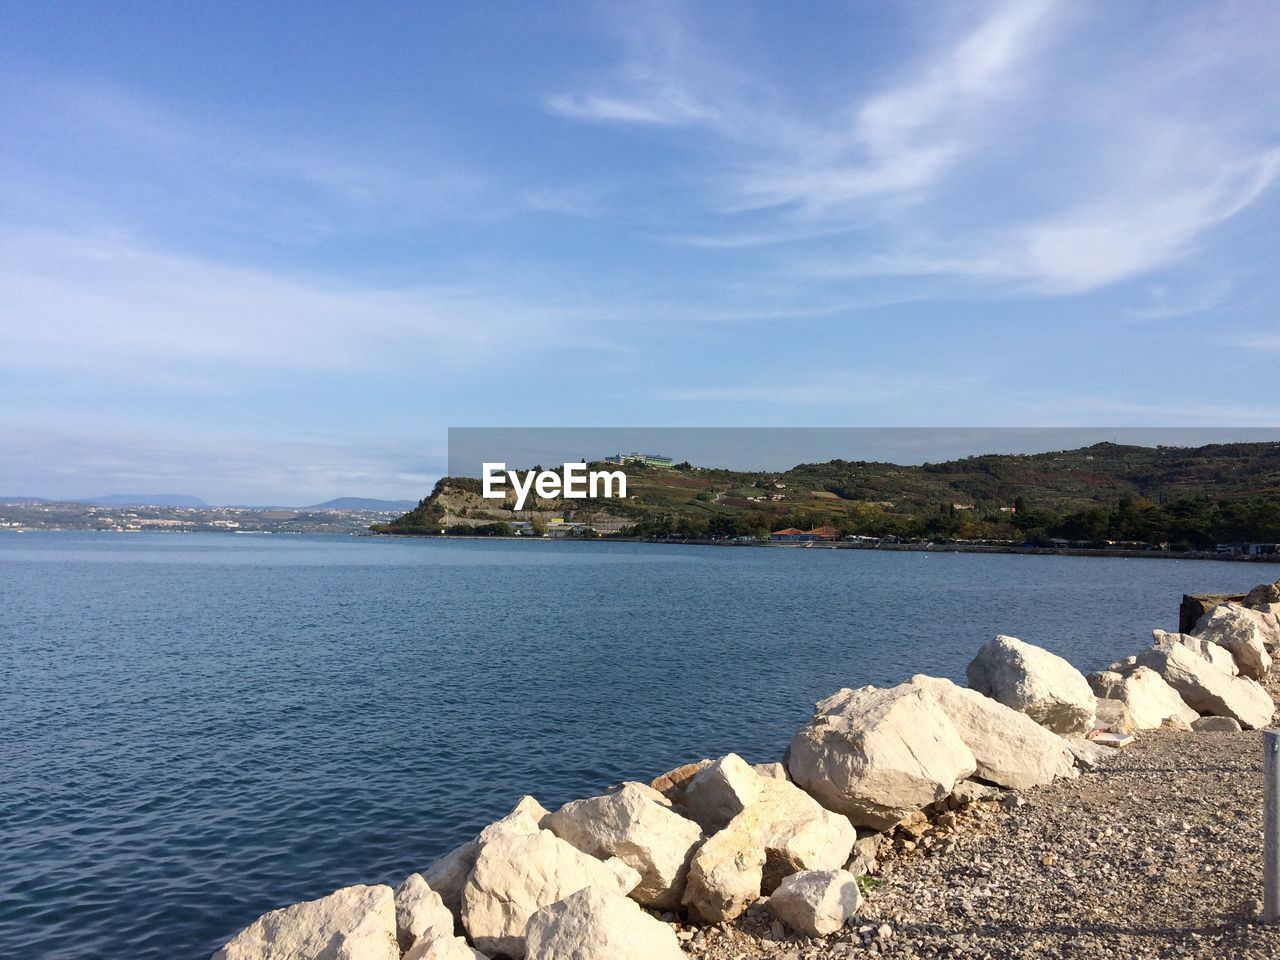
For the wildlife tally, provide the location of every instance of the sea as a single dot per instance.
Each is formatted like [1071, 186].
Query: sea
[199, 728]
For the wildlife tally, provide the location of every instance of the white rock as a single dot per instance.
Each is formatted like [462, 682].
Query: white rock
[816, 902]
[354, 923]
[637, 825]
[796, 831]
[1245, 633]
[594, 924]
[526, 817]
[877, 755]
[1149, 698]
[1034, 681]
[516, 874]
[1220, 657]
[725, 875]
[448, 875]
[784, 831]
[771, 771]
[443, 948]
[1010, 748]
[1206, 688]
[420, 912]
[722, 791]
[1215, 724]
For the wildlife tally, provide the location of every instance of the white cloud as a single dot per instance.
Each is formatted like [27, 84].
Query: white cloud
[1124, 237]
[909, 136]
[666, 106]
[999, 160]
[105, 303]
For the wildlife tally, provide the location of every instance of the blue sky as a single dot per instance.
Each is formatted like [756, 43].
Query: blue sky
[270, 252]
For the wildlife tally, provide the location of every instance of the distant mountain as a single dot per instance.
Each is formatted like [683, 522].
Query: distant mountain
[143, 500]
[26, 500]
[363, 503]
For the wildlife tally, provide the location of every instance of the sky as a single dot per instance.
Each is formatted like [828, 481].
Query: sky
[270, 253]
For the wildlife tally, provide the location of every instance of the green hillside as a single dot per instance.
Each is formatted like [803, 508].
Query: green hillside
[1175, 496]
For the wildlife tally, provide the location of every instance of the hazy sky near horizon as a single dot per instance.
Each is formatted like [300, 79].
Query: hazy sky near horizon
[270, 252]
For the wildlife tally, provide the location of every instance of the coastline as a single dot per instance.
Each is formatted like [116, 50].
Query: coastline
[1021, 816]
[886, 547]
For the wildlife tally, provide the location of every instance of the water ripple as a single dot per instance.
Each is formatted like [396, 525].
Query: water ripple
[196, 729]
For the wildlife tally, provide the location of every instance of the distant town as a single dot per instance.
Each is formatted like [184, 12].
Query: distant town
[31, 515]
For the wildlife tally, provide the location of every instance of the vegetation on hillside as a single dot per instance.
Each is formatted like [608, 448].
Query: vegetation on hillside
[1185, 498]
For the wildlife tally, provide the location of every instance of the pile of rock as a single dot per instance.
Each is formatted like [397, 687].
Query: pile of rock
[624, 875]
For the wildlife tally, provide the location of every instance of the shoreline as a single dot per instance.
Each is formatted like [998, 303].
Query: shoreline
[813, 545]
[887, 547]
[1013, 818]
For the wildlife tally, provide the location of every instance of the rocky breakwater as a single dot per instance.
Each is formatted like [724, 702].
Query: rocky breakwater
[643, 870]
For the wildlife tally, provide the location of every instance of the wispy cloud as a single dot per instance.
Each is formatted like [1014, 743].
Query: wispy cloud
[908, 137]
[663, 106]
[898, 139]
[1121, 238]
[992, 160]
[102, 152]
[109, 304]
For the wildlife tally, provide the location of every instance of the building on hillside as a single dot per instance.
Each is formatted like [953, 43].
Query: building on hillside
[824, 533]
[790, 535]
[649, 459]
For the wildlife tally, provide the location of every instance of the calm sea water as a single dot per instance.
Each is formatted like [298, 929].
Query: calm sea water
[195, 729]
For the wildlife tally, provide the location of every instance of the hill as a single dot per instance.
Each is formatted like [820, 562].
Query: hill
[144, 500]
[1185, 497]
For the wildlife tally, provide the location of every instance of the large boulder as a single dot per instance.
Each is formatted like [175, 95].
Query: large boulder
[784, 831]
[725, 875]
[1246, 633]
[1219, 657]
[796, 831]
[1204, 687]
[448, 875]
[1033, 681]
[1262, 595]
[722, 791]
[420, 913]
[354, 923]
[1009, 748]
[595, 924]
[516, 874]
[816, 902]
[877, 755]
[636, 824]
[1149, 698]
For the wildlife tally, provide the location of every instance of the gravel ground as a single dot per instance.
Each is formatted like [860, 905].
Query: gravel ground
[1157, 853]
